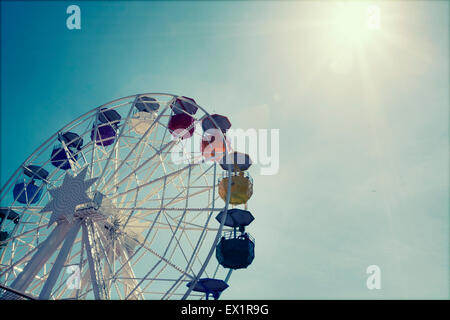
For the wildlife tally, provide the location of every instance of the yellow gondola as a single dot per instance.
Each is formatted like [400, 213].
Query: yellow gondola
[241, 188]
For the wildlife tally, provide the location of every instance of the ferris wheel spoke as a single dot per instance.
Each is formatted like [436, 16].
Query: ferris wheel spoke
[23, 259]
[189, 226]
[16, 237]
[140, 166]
[59, 292]
[176, 200]
[157, 275]
[174, 231]
[167, 263]
[177, 242]
[161, 259]
[181, 219]
[202, 237]
[156, 165]
[39, 259]
[24, 245]
[156, 191]
[94, 145]
[148, 231]
[116, 142]
[185, 234]
[94, 259]
[156, 219]
[177, 196]
[109, 254]
[194, 258]
[72, 162]
[154, 181]
[128, 272]
[165, 128]
[136, 145]
[133, 168]
[147, 197]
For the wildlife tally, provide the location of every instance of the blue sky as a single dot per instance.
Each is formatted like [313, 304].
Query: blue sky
[364, 155]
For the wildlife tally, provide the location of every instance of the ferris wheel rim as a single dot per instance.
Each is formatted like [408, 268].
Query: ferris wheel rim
[89, 114]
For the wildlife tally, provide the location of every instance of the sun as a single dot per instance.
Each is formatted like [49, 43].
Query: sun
[352, 27]
[355, 21]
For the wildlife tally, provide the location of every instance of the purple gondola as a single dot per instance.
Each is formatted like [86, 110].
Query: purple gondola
[107, 126]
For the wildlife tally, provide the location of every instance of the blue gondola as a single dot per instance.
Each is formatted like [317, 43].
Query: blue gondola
[236, 252]
[146, 104]
[184, 105]
[27, 193]
[209, 286]
[60, 157]
[11, 215]
[222, 122]
[4, 235]
[236, 218]
[35, 172]
[109, 116]
[236, 161]
[107, 126]
[72, 140]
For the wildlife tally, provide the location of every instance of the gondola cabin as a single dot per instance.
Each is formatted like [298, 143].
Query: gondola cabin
[71, 140]
[182, 122]
[181, 126]
[235, 251]
[8, 222]
[28, 188]
[105, 129]
[241, 188]
[27, 192]
[35, 172]
[213, 147]
[241, 182]
[61, 156]
[215, 122]
[209, 286]
[184, 105]
[144, 115]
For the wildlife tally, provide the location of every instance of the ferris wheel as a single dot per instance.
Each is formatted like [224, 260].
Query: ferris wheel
[120, 204]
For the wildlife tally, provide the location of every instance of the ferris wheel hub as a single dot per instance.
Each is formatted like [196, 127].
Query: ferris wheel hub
[67, 197]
